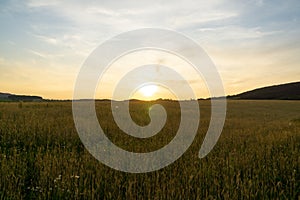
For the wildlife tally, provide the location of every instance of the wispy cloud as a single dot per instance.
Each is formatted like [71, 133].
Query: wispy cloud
[237, 32]
[42, 3]
[199, 18]
[47, 39]
[56, 36]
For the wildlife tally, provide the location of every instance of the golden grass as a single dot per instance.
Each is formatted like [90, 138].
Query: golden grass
[257, 156]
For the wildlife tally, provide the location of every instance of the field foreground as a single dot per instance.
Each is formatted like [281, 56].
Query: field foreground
[256, 157]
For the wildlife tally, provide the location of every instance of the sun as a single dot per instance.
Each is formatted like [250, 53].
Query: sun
[148, 90]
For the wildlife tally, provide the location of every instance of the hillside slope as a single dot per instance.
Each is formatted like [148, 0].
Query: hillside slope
[13, 97]
[288, 91]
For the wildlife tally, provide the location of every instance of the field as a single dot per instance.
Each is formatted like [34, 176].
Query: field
[256, 157]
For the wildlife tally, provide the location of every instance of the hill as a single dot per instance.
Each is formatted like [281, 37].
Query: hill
[14, 97]
[288, 91]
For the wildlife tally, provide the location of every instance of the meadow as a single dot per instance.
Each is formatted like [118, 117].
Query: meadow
[256, 157]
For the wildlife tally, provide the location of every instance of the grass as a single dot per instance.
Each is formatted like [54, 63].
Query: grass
[256, 157]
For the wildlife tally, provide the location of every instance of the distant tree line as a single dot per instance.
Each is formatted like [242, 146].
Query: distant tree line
[24, 98]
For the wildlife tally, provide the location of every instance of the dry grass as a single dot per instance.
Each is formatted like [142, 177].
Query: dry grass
[257, 156]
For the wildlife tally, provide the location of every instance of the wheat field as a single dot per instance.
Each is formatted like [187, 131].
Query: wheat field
[256, 157]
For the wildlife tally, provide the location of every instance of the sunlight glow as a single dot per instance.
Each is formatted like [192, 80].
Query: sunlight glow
[148, 90]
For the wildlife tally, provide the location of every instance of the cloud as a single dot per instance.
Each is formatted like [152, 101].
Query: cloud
[47, 39]
[245, 39]
[236, 33]
[41, 3]
[198, 18]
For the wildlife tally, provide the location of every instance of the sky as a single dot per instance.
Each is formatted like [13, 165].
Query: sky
[43, 44]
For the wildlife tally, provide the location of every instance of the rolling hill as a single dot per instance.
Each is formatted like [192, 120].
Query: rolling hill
[288, 91]
[14, 97]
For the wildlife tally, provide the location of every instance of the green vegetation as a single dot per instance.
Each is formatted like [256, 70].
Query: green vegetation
[257, 156]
